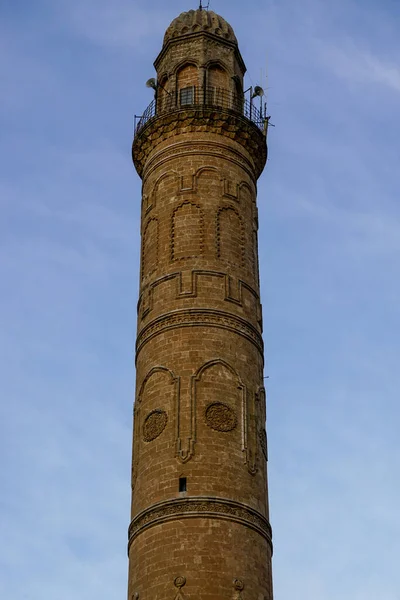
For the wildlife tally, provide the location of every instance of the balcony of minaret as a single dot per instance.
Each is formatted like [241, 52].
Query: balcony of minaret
[201, 99]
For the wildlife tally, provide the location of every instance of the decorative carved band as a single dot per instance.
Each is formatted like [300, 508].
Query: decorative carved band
[203, 507]
[234, 291]
[178, 150]
[200, 317]
[224, 123]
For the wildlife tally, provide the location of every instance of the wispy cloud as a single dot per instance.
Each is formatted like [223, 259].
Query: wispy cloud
[360, 66]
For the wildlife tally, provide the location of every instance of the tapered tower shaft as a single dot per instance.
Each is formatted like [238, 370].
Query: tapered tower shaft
[200, 525]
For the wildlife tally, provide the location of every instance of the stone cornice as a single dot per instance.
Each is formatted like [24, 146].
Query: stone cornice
[199, 318]
[199, 34]
[176, 150]
[199, 507]
[201, 119]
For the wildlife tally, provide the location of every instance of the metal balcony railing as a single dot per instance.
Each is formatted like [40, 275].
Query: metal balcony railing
[194, 97]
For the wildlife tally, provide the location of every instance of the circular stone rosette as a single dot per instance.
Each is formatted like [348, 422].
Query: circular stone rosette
[179, 582]
[238, 584]
[220, 417]
[154, 424]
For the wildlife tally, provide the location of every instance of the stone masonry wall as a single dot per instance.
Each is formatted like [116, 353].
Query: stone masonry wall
[199, 528]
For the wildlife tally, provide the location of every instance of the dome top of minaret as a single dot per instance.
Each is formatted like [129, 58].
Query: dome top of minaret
[198, 20]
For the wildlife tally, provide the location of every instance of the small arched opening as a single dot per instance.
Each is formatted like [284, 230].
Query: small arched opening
[187, 83]
[218, 92]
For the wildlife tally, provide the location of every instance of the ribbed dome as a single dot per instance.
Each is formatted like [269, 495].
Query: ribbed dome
[199, 20]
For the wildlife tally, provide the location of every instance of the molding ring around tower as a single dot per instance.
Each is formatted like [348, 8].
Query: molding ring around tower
[203, 507]
[200, 318]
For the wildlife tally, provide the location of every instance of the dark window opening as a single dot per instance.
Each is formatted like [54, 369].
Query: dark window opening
[182, 484]
[187, 95]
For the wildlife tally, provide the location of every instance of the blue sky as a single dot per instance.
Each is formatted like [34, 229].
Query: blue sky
[72, 76]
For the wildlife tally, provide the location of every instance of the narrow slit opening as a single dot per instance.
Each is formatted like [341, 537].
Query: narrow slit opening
[182, 484]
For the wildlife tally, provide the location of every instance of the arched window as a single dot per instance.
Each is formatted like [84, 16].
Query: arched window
[218, 92]
[187, 80]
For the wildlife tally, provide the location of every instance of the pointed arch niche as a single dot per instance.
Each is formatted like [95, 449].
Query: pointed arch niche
[229, 236]
[218, 85]
[187, 231]
[219, 405]
[154, 426]
[209, 182]
[187, 84]
[165, 188]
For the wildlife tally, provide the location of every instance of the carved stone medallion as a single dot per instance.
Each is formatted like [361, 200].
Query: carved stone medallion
[220, 417]
[179, 581]
[238, 584]
[154, 424]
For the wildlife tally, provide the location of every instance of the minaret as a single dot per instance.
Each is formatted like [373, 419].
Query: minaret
[199, 523]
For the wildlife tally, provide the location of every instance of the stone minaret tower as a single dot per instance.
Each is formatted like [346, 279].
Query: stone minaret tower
[199, 524]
